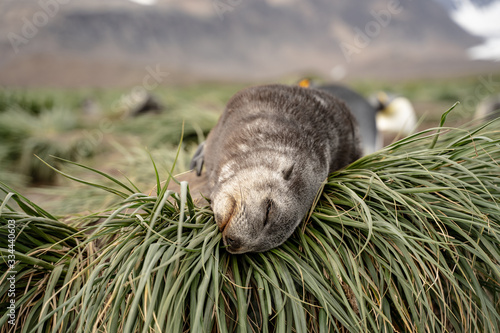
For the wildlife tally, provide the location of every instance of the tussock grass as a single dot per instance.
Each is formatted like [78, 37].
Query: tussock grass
[167, 128]
[133, 162]
[406, 239]
[54, 132]
[22, 101]
[46, 123]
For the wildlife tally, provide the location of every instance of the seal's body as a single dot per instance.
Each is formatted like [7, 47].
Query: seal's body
[266, 159]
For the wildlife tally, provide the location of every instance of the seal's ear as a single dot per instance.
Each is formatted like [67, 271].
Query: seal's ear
[287, 172]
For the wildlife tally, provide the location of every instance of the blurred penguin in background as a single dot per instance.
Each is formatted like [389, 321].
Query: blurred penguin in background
[488, 109]
[384, 114]
[395, 114]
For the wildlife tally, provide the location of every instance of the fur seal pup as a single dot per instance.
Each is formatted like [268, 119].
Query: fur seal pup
[266, 159]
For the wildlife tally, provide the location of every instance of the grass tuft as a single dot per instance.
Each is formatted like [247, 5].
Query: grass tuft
[406, 239]
[53, 132]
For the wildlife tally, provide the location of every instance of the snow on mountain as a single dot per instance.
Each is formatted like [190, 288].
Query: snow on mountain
[144, 2]
[481, 20]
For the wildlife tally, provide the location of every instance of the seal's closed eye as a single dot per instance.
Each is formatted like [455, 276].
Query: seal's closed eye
[269, 206]
[288, 172]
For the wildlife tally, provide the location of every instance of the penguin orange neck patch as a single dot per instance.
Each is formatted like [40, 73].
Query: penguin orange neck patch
[305, 83]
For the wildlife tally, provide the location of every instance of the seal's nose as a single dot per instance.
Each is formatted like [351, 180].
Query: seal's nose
[233, 243]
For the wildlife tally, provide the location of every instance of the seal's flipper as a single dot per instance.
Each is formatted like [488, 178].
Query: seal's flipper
[198, 159]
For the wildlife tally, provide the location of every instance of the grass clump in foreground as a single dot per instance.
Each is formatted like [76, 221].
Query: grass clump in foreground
[404, 240]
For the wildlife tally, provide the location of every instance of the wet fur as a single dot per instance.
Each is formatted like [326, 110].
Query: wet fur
[266, 159]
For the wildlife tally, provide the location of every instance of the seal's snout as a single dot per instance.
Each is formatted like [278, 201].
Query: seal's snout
[224, 209]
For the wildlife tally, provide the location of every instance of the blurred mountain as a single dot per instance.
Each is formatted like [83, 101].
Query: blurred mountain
[88, 43]
[455, 4]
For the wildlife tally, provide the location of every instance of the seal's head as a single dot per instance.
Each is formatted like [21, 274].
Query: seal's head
[258, 209]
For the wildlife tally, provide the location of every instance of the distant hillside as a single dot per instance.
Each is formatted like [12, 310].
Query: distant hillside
[454, 4]
[112, 44]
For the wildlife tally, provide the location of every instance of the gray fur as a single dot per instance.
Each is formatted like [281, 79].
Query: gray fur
[266, 159]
